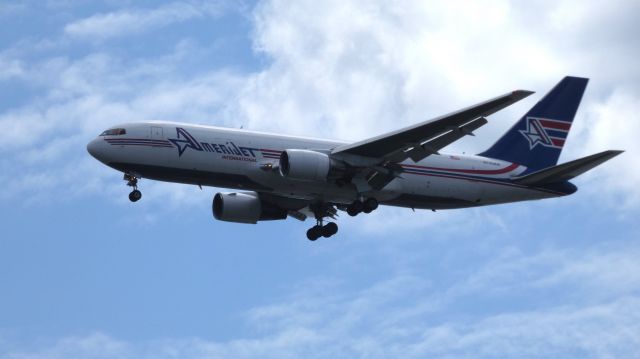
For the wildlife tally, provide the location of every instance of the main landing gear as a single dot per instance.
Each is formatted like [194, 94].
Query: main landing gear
[367, 206]
[322, 210]
[320, 229]
[132, 181]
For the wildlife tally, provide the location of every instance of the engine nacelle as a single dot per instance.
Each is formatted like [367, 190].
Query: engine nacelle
[244, 207]
[306, 165]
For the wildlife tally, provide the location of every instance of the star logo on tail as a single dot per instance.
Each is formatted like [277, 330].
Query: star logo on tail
[536, 134]
[184, 140]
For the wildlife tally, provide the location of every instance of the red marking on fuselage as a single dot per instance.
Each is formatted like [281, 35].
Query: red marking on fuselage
[509, 168]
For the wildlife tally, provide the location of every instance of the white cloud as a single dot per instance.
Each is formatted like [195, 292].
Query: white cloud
[133, 21]
[11, 9]
[406, 315]
[46, 139]
[342, 70]
[604, 331]
[613, 123]
[10, 68]
[359, 69]
[351, 70]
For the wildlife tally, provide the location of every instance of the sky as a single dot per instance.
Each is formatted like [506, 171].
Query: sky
[84, 273]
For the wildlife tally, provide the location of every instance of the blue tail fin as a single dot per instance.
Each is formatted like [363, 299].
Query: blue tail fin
[537, 139]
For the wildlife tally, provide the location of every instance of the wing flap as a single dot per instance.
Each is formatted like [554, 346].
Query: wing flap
[432, 146]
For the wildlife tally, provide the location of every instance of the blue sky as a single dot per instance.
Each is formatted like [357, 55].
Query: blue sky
[84, 273]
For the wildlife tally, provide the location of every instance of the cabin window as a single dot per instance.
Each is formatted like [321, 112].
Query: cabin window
[114, 132]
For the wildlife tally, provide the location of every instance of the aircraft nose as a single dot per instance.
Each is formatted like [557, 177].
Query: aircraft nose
[94, 148]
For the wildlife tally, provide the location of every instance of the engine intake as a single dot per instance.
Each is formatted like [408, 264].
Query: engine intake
[244, 207]
[307, 165]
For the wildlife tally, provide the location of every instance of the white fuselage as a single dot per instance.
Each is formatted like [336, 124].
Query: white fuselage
[247, 160]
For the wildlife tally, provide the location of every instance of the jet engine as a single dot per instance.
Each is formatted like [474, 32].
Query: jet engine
[244, 207]
[307, 165]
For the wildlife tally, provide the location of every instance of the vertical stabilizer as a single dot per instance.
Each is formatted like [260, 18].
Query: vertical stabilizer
[536, 140]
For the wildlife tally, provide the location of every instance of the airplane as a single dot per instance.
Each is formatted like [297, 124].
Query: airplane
[277, 176]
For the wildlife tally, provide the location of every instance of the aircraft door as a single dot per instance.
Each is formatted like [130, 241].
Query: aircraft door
[156, 133]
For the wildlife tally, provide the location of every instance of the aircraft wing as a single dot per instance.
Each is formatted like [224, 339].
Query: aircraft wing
[425, 138]
[380, 155]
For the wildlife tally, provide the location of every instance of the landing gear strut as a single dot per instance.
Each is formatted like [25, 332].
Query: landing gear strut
[322, 230]
[132, 181]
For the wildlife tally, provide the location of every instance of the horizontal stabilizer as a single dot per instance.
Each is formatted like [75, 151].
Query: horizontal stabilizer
[566, 171]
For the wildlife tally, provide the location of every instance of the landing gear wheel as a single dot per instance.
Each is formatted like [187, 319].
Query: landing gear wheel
[329, 229]
[135, 195]
[370, 205]
[314, 233]
[355, 208]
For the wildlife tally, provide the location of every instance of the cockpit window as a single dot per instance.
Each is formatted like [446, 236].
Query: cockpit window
[114, 132]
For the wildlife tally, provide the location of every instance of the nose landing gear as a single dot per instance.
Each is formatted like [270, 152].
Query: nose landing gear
[132, 181]
[135, 195]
